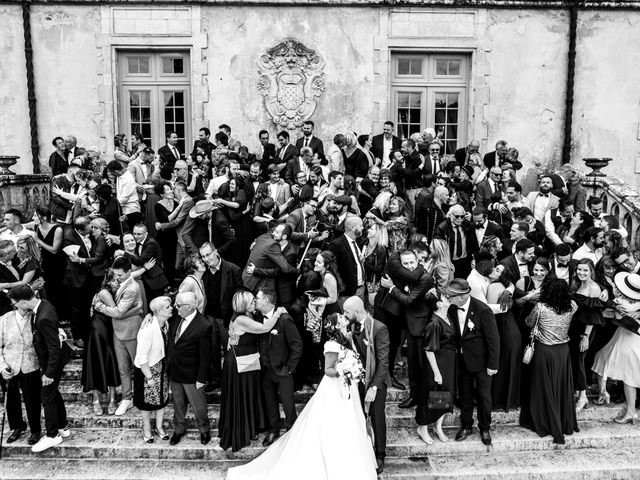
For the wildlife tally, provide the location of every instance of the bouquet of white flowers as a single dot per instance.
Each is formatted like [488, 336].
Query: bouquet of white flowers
[349, 367]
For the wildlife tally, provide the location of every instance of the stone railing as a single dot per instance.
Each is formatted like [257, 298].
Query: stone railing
[618, 198]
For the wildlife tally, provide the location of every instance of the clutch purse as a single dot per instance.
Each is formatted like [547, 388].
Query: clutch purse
[248, 363]
[531, 348]
[439, 399]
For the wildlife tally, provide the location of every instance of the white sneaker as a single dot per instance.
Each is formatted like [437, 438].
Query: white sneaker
[65, 432]
[123, 407]
[45, 443]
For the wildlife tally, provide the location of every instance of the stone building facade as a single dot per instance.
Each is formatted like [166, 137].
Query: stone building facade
[485, 69]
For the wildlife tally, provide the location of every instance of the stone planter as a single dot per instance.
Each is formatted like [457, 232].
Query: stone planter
[596, 164]
[7, 161]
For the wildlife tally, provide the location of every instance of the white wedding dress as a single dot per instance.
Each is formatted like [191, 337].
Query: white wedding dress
[328, 441]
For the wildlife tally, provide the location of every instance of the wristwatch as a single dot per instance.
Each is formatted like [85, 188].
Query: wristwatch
[375, 389]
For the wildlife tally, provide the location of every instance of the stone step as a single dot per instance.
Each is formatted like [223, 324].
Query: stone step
[81, 415]
[122, 444]
[584, 464]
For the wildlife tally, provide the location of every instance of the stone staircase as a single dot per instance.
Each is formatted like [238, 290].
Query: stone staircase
[109, 447]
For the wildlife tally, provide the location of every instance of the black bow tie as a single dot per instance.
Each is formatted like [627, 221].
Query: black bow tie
[479, 227]
[562, 265]
[523, 264]
[460, 309]
[544, 194]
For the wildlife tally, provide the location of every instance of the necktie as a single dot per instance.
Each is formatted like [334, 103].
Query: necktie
[138, 249]
[282, 153]
[178, 330]
[175, 153]
[458, 241]
[306, 141]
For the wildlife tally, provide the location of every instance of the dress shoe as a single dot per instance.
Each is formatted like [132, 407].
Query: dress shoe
[396, 384]
[486, 438]
[408, 403]
[175, 439]
[463, 433]
[269, 439]
[379, 465]
[45, 443]
[65, 432]
[33, 438]
[210, 387]
[205, 438]
[15, 435]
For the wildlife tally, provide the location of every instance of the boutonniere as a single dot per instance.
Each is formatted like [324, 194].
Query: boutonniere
[471, 325]
[274, 332]
[406, 288]
[366, 342]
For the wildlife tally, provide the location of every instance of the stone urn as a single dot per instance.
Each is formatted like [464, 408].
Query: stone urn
[596, 164]
[7, 161]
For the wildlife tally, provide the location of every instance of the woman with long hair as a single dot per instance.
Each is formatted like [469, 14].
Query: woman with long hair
[612, 241]
[233, 197]
[397, 224]
[30, 265]
[351, 190]
[109, 207]
[492, 245]
[242, 412]
[573, 231]
[586, 294]
[550, 399]
[166, 239]
[505, 389]
[375, 255]
[49, 237]
[440, 265]
[195, 269]
[620, 358]
[356, 162]
[329, 439]
[326, 266]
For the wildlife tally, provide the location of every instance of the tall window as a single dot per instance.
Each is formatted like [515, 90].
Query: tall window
[154, 95]
[430, 90]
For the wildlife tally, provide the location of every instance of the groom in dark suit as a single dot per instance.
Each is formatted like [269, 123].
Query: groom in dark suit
[371, 339]
[478, 355]
[280, 351]
[52, 358]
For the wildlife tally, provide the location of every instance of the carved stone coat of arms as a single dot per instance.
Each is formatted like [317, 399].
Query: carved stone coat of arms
[291, 80]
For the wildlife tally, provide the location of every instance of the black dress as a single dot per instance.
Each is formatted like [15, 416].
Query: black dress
[242, 411]
[505, 389]
[589, 313]
[168, 241]
[99, 363]
[440, 338]
[53, 267]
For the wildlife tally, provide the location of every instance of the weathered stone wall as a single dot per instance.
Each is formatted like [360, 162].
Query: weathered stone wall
[517, 83]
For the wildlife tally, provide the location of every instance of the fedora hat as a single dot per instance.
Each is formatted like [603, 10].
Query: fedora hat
[458, 286]
[200, 208]
[628, 284]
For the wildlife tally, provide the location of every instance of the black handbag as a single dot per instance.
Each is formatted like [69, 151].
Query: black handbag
[439, 398]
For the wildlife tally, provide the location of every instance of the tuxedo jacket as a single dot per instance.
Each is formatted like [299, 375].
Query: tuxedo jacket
[206, 145]
[483, 193]
[510, 264]
[283, 348]
[377, 145]
[401, 278]
[285, 283]
[290, 151]
[153, 278]
[493, 229]
[268, 155]
[479, 339]
[75, 274]
[266, 255]
[46, 342]
[347, 267]
[415, 308]
[141, 174]
[315, 144]
[373, 345]
[59, 206]
[297, 222]
[554, 203]
[166, 156]
[230, 283]
[223, 236]
[98, 260]
[283, 192]
[189, 357]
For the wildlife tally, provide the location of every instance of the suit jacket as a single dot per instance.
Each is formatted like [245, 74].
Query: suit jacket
[347, 267]
[554, 203]
[285, 283]
[179, 220]
[125, 316]
[194, 233]
[415, 308]
[401, 278]
[282, 349]
[292, 169]
[510, 264]
[75, 274]
[268, 156]
[558, 184]
[484, 193]
[266, 255]
[479, 340]
[98, 260]
[377, 145]
[230, 283]
[290, 152]
[297, 221]
[412, 164]
[51, 355]
[489, 159]
[166, 156]
[283, 192]
[578, 197]
[223, 236]
[60, 206]
[153, 278]
[142, 175]
[315, 144]
[373, 345]
[445, 231]
[189, 357]
[493, 229]
[206, 145]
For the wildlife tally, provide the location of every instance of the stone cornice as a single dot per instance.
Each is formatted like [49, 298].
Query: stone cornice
[502, 4]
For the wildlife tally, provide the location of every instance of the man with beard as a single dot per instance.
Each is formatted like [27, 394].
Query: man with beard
[592, 247]
[203, 142]
[543, 201]
[267, 150]
[414, 167]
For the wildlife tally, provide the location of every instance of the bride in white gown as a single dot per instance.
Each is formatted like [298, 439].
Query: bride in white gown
[329, 440]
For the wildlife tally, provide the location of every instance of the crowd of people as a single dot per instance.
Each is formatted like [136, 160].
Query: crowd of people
[255, 272]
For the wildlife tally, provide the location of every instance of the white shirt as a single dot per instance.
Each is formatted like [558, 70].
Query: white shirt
[14, 237]
[540, 207]
[479, 288]
[336, 160]
[86, 240]
[585, 252]
[387, 146]
[358, 257]
[127, 194]
[215, 184]
[480, 232]
[562, 273]
[523, 267]
[186, 321]
[303, 167]
[273, 191]
[462, 315]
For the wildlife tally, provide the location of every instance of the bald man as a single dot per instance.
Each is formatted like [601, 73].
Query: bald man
[349, 258]
[371, 339]
[462, 154]
[189, 355]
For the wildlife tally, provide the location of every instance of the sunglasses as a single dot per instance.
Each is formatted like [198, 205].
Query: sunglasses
[459, 216]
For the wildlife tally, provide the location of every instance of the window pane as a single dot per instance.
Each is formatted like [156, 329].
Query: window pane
[441, 100]
[168, 114]
[168, 99]
[450, 147]
[454, 67]
[143, 64]
[134, 98]
[135, 115]
[416, 67]
[414, 115]
[145, 98]
[178, 66]
[452, 100]
[441, 67]
[179, 98]
[167, 65]
[179, 114]
[414, 129]
[403, 100]
[403, 131]
[132, 65]
[451, 132]
[415, 100]
[404, 66]
[403, 115]
[146, 114]
[452, 116]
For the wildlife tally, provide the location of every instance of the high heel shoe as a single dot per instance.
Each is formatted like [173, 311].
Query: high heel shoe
[146, 439]
[162, 434]
[441, 436]
[581, 403]
[97, 408]
[627, 418]
[423, 433]
[604, 398]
